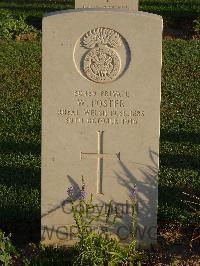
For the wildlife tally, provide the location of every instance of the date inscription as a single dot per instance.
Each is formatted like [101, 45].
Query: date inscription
[105, 107]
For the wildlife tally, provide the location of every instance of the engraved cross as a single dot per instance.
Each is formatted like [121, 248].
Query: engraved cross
[100, 155]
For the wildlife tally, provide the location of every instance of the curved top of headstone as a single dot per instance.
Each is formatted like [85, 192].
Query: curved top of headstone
[108, 10]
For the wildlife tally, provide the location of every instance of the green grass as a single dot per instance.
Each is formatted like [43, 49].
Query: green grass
[171, 7]
[20, 138]
[173, 10]
[180, 127]
[20, 106]
[36, 8]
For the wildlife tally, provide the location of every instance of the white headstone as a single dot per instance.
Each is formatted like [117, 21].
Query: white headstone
[101, 117]
[122, 4]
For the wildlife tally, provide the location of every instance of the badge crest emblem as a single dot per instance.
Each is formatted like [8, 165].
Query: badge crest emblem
[101, 63]
[101, 55]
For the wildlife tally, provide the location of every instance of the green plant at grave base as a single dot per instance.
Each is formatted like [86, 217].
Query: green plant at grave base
[193, 202]
[15, 28]
[197, 26]
[7, 250]
[96, 248]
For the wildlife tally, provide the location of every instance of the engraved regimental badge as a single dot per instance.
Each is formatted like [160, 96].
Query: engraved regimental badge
[100, 55]
[102, 62]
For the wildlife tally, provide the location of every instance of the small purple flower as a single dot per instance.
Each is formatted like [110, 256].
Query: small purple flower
[82, 195]
[70, 192]
[133, 192]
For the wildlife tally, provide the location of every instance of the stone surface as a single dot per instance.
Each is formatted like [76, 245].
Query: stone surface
[123, 4]
[100, 117]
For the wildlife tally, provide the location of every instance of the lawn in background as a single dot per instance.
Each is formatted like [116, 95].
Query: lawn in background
[174, 11]
[20, 131]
